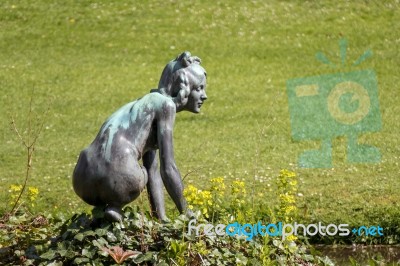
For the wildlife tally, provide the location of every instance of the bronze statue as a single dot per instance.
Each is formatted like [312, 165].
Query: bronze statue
[108, 172]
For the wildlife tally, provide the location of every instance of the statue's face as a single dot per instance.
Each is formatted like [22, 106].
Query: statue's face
[197, 95]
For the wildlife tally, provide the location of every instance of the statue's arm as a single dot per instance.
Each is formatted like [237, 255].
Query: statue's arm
[168, 169]
[154, 184]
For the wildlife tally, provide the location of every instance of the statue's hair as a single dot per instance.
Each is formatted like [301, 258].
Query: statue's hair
[187, 59]
[175, 74]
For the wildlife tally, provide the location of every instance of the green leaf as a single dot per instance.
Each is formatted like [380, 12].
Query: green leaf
[111, 237]
[63, 252]
[101, 231]
[79, 237]
[49, 255]
[78, 261]
[70, 254]
[19, 253]
[240, 258]
[55, 263]
[89, 233]
[87, 253]
[353, 261]
[163, 263]
[144, 257]
[100, 243]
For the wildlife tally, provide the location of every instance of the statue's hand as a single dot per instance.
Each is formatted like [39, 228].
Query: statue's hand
[190, 213]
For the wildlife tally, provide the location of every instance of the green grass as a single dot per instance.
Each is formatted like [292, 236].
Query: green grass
[85, 59]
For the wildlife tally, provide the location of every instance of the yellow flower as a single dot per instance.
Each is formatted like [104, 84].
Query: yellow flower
[238, 187]
[198, 198]
[287, 198]
[217, 184]
[32, 193]
[287, 173]
[287, 187]
[15, 188]
[14, 191]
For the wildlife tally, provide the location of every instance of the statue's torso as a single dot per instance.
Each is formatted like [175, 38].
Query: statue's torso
[130, 131]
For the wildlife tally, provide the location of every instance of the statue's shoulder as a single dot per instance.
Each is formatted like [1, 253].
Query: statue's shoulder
[160, 101]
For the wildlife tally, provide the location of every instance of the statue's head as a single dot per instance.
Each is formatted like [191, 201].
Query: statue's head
[185, 80]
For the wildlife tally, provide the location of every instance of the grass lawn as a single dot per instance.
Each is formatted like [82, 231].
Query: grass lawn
[85, 59]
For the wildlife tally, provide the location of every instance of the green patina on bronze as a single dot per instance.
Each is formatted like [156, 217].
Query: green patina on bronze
[109, 173]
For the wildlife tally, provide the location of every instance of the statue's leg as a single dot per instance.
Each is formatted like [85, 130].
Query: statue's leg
[154, 185]
[123, 184]
[84, 183]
